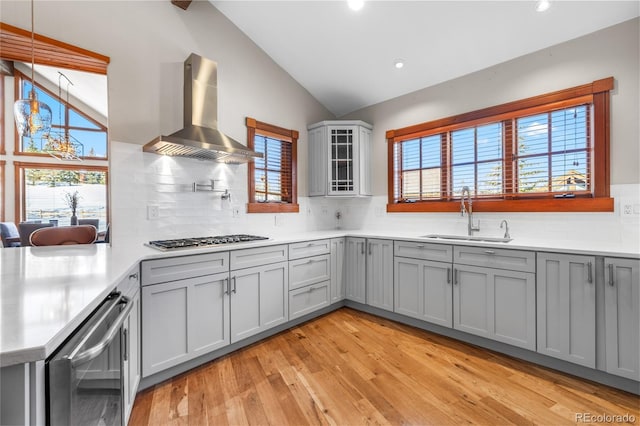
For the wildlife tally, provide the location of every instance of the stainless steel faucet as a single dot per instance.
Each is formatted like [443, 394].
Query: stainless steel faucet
[470, 227]
[506, 231]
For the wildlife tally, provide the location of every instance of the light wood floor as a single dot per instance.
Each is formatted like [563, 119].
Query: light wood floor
[351, 368]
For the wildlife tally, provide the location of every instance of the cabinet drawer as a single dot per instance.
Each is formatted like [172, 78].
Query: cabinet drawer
[308, 299]
[424, 251]
[515, 260]
[303, 272]
[309, 248]
[177, 268]
[248, 258]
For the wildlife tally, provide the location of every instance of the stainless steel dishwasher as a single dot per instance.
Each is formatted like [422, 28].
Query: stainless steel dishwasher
[84, 377]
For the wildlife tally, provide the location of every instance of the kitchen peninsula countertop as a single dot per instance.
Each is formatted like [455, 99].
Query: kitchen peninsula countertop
[47, 292]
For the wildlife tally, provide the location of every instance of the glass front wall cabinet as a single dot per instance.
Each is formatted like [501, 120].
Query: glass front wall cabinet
[340, 158]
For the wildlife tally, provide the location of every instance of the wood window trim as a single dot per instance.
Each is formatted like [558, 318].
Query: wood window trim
[253, 127]
[2, 122]
[598, 201]
[17, 151]
[2, 190]
[19, 191]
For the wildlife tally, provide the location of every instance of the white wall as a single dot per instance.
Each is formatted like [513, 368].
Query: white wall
[148, 41]
[614, 51]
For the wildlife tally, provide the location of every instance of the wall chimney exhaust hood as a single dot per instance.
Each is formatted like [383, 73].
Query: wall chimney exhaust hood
[200, 137]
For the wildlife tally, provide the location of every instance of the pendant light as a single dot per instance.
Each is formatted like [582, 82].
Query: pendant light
[33, 118]
[62, 145]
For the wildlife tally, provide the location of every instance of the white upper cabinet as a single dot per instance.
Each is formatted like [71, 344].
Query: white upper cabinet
[340, 158]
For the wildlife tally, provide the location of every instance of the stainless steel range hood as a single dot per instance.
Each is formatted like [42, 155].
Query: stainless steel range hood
[200, 137]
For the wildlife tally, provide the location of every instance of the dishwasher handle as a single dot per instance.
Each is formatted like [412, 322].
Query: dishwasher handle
[76, 358]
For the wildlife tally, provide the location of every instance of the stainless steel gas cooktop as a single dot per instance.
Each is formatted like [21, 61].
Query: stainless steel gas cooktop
[198, 242]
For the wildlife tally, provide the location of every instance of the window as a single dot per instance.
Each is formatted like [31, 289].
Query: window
[43, 188]
[272, 179]
[86, 136]
[547, 153]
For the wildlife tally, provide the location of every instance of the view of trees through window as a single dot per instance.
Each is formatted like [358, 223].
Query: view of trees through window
[541, 153]
[46, 189]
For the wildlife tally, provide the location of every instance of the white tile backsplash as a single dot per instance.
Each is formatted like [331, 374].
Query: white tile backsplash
[141, 179]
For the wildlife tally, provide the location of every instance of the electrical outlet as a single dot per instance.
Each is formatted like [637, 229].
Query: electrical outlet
[153, 212]
[627, 210]
[324, 209]
[236, 212]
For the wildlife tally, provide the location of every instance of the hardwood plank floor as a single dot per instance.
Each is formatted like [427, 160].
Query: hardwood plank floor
[352, 368]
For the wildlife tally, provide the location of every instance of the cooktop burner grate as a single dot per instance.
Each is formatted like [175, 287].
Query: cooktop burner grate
[196, 242]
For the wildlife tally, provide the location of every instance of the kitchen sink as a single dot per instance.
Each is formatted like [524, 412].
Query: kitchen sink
[466, 238]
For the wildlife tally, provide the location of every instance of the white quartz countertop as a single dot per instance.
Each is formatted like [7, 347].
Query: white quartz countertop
[47, 292]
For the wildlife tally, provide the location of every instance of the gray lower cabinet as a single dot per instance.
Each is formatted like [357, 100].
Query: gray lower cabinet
[566, 306]
[337, 292]
[259, 299]
[305, 300]
[423, 290]
[131, 349]
[130, 344]
[183, 319]
[379, 274]
[355, 255]
[495, 303]
[622, 317]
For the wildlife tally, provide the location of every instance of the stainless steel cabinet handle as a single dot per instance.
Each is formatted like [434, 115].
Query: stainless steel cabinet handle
[369, 249]
[611, 277]
[455, 276]
[126, 344]
[448, 275]
[133, 276]
[421, 246]
[589, 272]
[234, 285]
[490, 252]
[362, 248]
[226, 285]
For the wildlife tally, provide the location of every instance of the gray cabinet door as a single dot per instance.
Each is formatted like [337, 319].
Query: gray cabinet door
[423, 290]
[131, 363]
[496, 304]
[182, 320]
[164, 326]
[379, 274]
[622, 317]
[566, 305]
[337, 270]
[259, 299]
[208, 314]
[355, 269]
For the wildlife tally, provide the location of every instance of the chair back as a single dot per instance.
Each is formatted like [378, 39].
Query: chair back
[26, 228]
[64, 235]
[9, 230]
[94, 222]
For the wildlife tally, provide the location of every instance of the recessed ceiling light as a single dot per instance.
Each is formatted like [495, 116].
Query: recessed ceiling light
[398, 63]
[355, 4]
[542, 5]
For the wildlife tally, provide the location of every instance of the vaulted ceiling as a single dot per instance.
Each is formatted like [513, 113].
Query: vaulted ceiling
[345, 59]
